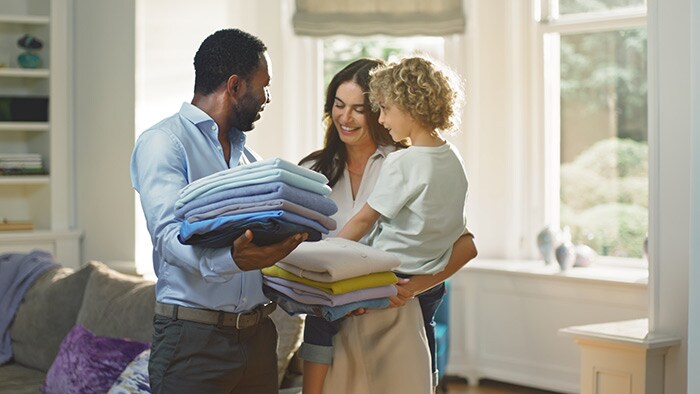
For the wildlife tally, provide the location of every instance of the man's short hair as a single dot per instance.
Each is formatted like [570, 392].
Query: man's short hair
[224, 53]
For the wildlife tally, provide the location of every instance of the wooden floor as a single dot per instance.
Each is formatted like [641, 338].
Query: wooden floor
[455, 386]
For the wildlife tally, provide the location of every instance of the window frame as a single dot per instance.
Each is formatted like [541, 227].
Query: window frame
[549, 26]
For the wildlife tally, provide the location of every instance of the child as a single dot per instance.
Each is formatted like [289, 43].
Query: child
[417, 207]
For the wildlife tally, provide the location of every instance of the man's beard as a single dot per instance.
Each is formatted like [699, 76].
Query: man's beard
[246, 113]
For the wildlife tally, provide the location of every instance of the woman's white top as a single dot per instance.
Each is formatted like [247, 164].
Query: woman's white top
[342, 190]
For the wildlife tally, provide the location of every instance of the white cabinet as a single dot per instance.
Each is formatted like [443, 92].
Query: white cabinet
[621, 357]
[44, 200]
[505, 317]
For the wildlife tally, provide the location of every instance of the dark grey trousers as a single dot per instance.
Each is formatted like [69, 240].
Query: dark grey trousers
[189, 357]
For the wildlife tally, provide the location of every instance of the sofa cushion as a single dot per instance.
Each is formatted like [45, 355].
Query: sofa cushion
[88, 363]
[118, 305]
[47, 313]
[17, 379]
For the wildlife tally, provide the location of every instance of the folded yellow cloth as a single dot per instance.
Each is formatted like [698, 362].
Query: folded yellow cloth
[338, 287]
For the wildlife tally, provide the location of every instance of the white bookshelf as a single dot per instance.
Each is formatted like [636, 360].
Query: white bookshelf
[44, 200]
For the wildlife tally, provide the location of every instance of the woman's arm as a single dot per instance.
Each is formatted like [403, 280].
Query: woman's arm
[463, 250]
[360, 224]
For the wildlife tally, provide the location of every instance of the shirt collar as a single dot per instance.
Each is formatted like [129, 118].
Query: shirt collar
[383, 151]
[194, 114]
[204, 122]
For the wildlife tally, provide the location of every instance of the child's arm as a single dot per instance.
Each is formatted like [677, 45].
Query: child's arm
[360, 224]
[463, 250]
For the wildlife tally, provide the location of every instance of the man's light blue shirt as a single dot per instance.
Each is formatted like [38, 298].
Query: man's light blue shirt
[176, 151]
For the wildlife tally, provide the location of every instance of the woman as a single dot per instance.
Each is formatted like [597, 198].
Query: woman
[355, 148]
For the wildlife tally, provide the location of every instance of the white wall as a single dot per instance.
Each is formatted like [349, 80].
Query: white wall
[670, 161]
[694, 277]
[104, 122]
[497, 71]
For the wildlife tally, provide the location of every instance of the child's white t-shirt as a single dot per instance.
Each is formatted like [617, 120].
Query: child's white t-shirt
[420, 194]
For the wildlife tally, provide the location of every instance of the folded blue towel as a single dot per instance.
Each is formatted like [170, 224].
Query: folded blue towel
[258, 193]
[258, 166]
[221, 223]
[329, 313]
[267, 227]
[253, 178]
[270, 205]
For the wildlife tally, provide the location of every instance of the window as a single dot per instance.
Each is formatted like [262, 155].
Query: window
[596, 108]
[341, 50]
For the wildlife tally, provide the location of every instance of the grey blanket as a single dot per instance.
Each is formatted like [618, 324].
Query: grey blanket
[18, 271]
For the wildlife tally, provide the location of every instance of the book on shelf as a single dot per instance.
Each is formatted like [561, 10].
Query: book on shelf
[22, 171]
[21, 164]
[15, 225]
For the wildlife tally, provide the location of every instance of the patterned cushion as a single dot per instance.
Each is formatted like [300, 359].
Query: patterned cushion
[134, 379]
[87, 363]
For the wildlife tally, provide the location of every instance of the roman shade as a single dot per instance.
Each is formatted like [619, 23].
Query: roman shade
[322, 18]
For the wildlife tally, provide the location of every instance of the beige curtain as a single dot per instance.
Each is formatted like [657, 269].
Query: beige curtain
[366, 17]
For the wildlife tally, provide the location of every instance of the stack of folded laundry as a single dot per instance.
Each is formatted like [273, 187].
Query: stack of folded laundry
[331, 278]
[273, 198]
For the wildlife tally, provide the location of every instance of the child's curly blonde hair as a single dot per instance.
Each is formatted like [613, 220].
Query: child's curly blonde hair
[431, 93]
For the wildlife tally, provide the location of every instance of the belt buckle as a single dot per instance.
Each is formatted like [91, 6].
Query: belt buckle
[238, 319]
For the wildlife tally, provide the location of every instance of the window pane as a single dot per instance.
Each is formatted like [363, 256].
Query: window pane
[339, 51]
[604, 166]
[582, 6]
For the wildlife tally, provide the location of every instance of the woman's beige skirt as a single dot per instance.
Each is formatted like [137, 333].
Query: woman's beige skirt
[383, 351]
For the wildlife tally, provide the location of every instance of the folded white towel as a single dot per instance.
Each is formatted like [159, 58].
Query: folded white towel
[334, 259]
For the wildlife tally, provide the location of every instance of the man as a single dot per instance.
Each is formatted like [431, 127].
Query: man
[212, 333]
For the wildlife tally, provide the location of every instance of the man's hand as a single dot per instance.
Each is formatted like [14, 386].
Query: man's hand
[249, 256]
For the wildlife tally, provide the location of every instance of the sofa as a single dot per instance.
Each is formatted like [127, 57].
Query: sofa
[100, 301]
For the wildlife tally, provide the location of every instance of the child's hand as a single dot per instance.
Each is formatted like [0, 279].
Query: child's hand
[403, 294]
[357, 312]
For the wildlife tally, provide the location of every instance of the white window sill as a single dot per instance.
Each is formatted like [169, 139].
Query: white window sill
[603, 270]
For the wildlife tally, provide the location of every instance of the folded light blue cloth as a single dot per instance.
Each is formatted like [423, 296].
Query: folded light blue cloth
[329, 313]
[271, 205]
[268, 227]
[251, 178]
[260, 165]
[220, 223]
[258, 193]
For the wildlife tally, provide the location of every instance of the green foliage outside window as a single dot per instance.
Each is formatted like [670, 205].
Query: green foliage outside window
[604, 197]
[604, 170]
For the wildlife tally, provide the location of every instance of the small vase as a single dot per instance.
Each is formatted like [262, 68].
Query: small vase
[29, 59]
[566, 255]
[547, 242]
[585, 255]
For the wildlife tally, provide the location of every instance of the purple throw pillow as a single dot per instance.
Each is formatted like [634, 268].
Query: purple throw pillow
[87, 363]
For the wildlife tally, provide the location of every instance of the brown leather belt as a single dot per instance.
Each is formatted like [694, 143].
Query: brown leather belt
[207, 316]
